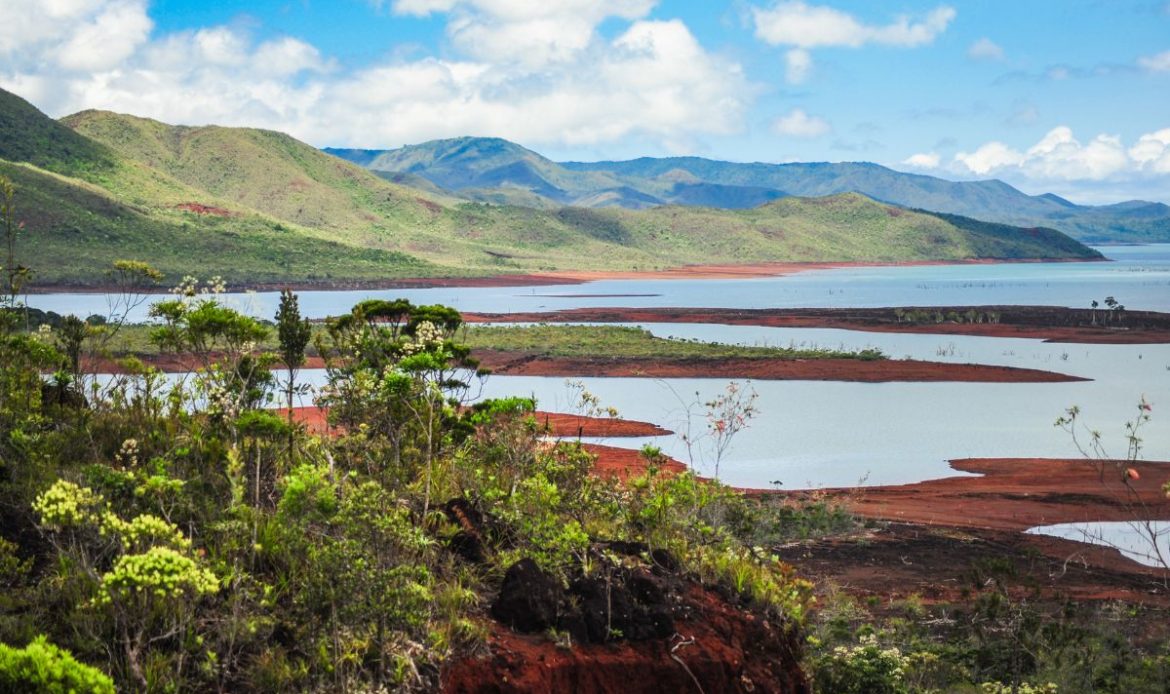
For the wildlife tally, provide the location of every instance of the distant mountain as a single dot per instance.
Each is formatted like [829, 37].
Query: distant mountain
[261, 207]
[484, 168]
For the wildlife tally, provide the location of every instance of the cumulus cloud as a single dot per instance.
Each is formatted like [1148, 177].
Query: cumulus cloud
[530, 33]
[804, 27]
[653, 80]
[1156, 63]
[985, 49]
[1060, 156]
[797, 123]
[1152, 151]
[813, 26]
[991, 156]
[925, 160]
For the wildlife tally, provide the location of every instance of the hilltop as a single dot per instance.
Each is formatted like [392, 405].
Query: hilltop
[494, 170]
[259, 206]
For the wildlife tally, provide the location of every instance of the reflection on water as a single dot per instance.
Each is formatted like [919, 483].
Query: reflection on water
[1146, 542]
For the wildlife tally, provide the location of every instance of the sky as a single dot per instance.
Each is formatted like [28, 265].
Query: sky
[1063, 96]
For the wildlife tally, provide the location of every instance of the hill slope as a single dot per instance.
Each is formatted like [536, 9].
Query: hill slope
[259, 206]
[495, 170]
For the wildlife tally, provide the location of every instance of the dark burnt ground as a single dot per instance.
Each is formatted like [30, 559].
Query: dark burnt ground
[940, 565]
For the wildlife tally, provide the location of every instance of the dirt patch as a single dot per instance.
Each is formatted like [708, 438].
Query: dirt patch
[198, 208]
[718, 646]
[1053, 324]
[940, 565]
[558, 424]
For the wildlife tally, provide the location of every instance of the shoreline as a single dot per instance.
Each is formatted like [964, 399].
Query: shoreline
[850, 370]
[844, 370]
[556, 277]
[1048, 323]
[1015, 494]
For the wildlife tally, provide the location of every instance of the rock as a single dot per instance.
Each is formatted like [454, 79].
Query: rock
[529, 599]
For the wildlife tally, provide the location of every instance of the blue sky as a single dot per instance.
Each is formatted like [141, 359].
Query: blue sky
[1067, 96]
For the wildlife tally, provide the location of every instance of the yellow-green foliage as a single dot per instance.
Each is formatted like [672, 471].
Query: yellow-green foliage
[159, 573]
[44, 668]
[67, 505]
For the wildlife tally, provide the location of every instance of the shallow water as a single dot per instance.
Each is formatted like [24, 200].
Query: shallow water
[1145, 542]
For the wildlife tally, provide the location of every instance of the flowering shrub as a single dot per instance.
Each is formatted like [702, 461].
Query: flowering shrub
[161, 573]
[866, 668]
[67, 505]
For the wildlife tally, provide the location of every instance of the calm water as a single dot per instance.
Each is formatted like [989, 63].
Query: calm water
[813, 434]
[1145, 543]
[1139, 278]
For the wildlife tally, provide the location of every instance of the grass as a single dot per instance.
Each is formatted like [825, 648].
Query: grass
[111, 186]
[582, 341]
[632, 342]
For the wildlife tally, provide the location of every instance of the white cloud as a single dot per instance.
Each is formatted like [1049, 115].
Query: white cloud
[991, 156]
[1156, 63]
[653, 81]
[985, 49]
[812, 26]
[78, 35]
[797, 123]
[532, 34]
[1152, 151]
[925, 160]
[802, 26]
[1060, 157]
[798, 64]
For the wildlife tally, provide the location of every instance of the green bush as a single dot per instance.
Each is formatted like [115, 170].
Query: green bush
[46, 669]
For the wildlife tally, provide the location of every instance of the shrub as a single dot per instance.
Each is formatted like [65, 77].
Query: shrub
[44, 668]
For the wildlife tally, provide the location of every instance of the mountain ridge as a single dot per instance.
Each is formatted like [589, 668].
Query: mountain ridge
[260, 207]
[644, 182]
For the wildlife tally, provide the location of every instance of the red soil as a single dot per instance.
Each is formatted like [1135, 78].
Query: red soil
[876, 371]
[559, 424]
[1020, 493]
[624, 463]
[198, 208]
[724, 648]
[856, 370]
[1053, 324]
[690, 272]
[568, 425]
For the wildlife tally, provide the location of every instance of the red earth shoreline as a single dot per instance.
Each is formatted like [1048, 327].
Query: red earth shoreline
[698, 271]
[1148, 327]
[852, 370]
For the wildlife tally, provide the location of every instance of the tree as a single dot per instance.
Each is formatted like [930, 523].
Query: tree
[294, 333]
[15, 275]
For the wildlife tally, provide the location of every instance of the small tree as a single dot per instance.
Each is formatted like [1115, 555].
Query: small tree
[294, 333]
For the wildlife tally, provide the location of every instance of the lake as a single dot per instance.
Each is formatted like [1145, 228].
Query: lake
[816, 434]
[1139, 277]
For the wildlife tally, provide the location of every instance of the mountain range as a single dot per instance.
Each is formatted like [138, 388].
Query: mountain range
[499, 171]
[260, 207]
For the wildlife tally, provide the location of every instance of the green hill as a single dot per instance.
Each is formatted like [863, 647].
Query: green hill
[258, 206]
[494, 170]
